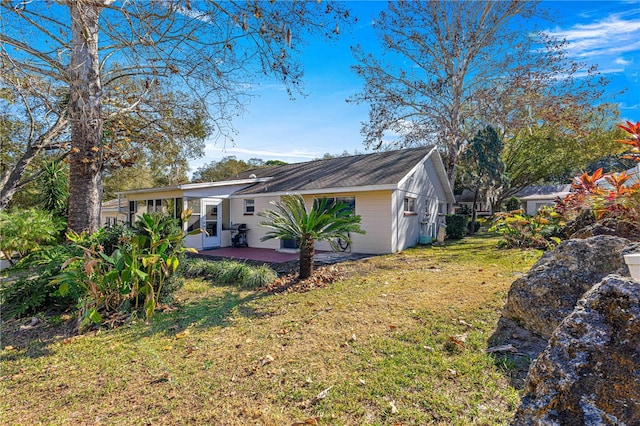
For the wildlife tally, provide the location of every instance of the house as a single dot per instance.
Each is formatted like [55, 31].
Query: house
[533, 198]
[399, 195]
[113, 211]
[464, 203]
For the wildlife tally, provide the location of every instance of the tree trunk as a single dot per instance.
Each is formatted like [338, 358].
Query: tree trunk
[474, 213]
[307, 253]
[85, 116]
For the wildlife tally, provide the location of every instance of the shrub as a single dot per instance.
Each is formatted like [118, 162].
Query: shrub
[30, 291]
[456, 226]
[133, 276]
[259, 277]
[519, 230]
[228, 272]
[512, 204]
[26, 231]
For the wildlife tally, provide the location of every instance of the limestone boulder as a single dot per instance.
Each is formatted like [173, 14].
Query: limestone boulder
[544, 296]
[589, 373]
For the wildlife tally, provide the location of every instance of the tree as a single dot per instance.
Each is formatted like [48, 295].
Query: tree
[482, 166]
[220, 170]
[451, 68]
[210, 50]
[556, 153]
[290, 220]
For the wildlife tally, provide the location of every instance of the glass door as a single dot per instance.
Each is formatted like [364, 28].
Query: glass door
[211, 221]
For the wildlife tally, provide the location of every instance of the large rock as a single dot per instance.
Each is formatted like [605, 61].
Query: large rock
[589, 374]
[550, 290]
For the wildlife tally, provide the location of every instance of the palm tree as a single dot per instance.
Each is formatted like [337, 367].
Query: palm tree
[324, 222]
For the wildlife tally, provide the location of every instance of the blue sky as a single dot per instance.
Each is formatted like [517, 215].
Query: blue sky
[606, 33]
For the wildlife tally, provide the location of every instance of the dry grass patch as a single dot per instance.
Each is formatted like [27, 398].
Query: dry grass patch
[399, 340]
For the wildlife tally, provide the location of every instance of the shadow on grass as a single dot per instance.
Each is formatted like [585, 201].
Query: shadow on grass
[527, 346]
[206, 312]
[20, 339]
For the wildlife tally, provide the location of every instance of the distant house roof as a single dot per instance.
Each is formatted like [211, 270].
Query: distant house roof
[467, 196]
[113, 204]
[380, 168]
[545, 192]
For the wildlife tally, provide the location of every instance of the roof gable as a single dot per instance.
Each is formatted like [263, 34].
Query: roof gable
[380, 168]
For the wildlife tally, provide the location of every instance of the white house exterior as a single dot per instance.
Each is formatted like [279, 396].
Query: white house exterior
[533, 198]
[398, 194]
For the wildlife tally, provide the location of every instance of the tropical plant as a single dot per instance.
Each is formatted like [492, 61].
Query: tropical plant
[609, 197]
[133, 275]
[54, 188]
[25, 231]
[325, 221]
[519, 230]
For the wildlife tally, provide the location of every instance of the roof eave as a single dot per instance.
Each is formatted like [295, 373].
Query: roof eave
[187, 186]
[367, 188]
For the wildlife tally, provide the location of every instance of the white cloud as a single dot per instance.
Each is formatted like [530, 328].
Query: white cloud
[614, 34]
[622, 61]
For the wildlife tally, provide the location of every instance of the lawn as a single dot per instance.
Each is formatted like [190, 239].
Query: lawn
[399, 341]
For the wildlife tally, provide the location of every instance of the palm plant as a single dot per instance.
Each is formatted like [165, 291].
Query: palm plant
[325, 221]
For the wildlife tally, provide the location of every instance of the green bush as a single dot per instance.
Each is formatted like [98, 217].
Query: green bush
[456, 226]
[519, 230]
[228, 272]
[29, 290]
[138, 274]
[26, 231]
[512, 204]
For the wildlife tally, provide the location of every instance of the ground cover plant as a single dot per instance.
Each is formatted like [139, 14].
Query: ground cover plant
[400, 339]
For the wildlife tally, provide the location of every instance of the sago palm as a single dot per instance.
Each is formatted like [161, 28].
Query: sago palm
[325, 221]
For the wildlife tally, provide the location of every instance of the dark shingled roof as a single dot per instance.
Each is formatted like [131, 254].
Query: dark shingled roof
[543, 190]
[380, 168]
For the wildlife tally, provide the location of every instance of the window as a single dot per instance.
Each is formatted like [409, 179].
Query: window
[194, 220]
[409, 205]
[349, 202]
[249, 206]
[168, 206]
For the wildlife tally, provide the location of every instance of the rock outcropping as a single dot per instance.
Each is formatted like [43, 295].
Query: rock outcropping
[548, 293]
[589, 372]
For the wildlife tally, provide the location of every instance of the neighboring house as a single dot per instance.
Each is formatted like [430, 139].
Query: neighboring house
[533, 198]
[465, 201]
[398, 194]
[113, 211]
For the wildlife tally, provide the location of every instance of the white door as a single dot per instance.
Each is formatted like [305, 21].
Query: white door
[211, 221]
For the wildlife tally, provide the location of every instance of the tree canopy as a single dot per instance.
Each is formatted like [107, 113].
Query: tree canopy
[97, 66]
[450, 68]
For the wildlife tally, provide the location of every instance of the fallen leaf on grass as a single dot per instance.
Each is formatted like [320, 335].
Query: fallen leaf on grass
[309, 421]
[183, 334]
[394, 409]
[268, 359]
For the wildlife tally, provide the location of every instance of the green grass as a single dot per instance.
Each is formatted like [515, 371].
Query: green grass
[382, 339]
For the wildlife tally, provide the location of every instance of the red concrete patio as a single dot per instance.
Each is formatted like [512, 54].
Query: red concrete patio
[251, 253]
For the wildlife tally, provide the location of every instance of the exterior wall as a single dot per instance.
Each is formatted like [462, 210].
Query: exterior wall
[373, 206]
[425, 187]
[532, 205]
[112, 215]
[255, 231]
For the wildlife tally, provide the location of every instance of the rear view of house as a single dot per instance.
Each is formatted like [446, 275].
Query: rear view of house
[400, 196]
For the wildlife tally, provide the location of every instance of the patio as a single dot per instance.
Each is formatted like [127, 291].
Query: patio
[275, 258]
[251, 253]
